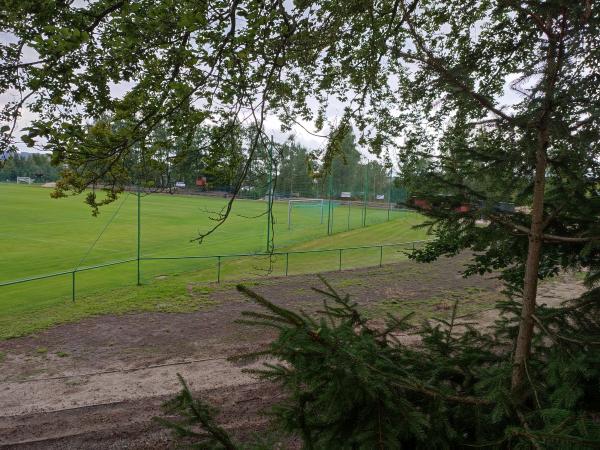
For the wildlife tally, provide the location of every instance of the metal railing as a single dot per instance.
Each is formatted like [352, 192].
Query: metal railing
[218, 259]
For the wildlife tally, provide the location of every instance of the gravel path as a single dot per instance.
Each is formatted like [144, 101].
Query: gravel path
[97, 383]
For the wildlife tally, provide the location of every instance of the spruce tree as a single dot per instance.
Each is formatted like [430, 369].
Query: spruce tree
[350, 385]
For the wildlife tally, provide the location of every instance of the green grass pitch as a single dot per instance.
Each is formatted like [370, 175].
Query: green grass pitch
[41, 235]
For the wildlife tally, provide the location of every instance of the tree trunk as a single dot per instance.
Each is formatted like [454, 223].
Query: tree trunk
[524, 338]
[554, 58]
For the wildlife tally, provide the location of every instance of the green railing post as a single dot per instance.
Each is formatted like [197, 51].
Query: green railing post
[380, 255]
[287, 260]
[218, 269]
[73, 286]
[139, 224]
[340, 262]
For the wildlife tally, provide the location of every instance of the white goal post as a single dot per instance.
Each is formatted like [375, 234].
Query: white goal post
[27, 180]
[306, 202]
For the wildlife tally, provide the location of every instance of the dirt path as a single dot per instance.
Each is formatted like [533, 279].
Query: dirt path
[97, 383]
[129, 423]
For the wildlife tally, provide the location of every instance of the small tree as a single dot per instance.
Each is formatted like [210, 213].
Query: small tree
[349, 385]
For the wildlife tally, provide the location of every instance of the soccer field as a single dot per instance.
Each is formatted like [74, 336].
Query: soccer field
[41, 235]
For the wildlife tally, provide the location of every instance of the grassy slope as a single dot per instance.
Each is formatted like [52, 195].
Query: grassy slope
[41, 235]
[177, 292]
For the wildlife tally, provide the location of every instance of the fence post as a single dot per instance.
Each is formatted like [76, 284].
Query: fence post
[139, 231]
[366, 196]
[340, 265]
[73, 287]
[329, 212]
[218, 269]
[348, 226]
[322, 206]
[287, 260]
[380, 255]
[390, 194]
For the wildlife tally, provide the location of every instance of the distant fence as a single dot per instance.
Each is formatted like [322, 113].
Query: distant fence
[372, 260]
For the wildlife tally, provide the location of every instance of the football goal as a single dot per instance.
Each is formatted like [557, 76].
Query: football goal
[316, 203]
[27, 180]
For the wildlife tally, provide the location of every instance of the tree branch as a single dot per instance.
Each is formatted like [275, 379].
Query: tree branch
[546, 237]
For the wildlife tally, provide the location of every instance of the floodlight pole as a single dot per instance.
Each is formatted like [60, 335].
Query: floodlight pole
[329, 211]
[365, 195]
[269, 196]
[390, 195]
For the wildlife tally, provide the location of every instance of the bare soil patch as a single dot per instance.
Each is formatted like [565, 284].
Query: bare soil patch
[97, 383]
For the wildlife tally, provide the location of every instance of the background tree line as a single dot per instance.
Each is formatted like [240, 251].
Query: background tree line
[219, 154]
[37, 166]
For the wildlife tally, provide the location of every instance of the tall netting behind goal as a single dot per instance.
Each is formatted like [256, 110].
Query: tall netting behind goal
[307, 207]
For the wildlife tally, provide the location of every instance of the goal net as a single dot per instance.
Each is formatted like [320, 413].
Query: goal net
[313, 203]
[27, 180]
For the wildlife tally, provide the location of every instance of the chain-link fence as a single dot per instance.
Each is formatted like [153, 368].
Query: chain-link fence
[349, 196]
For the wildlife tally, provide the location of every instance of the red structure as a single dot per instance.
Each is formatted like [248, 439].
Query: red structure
[421, 203]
